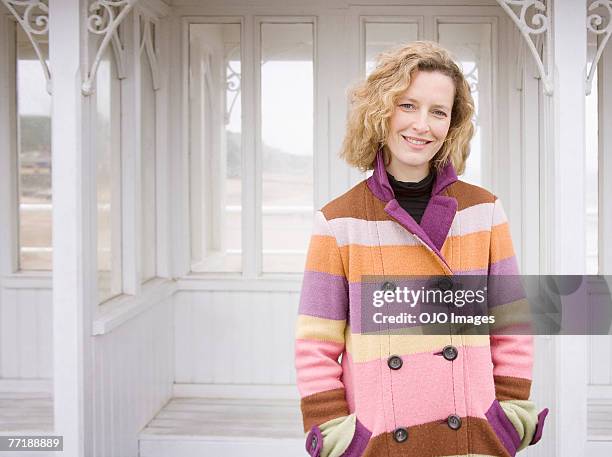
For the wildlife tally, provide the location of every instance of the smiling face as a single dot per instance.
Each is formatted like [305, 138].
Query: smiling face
[419, 125]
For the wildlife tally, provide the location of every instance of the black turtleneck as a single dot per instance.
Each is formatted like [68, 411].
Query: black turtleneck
[413, 196]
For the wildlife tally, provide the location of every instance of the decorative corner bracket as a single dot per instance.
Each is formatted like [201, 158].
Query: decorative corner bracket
[104, 18]
[595, 25]
[538, 25]
[33, 17]
[147, 44]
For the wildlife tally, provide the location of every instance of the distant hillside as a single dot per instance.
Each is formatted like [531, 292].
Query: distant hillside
[35, 138]
[276, 160]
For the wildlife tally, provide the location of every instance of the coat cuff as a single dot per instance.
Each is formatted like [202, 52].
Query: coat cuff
[341, 437]
[539, 427]
[314, 442]
[527, 423]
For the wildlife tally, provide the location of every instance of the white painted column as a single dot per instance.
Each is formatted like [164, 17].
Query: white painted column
[567, 222]
[569, 36]
[74, 286]
[131, 152]
[8, 146]
[604, 78]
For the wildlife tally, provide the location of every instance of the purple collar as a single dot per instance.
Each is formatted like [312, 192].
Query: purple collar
[439, 213]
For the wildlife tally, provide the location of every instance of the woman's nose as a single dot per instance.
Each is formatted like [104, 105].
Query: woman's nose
[420, 123]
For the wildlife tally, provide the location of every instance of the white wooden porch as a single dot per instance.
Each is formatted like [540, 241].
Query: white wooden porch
[176, 347]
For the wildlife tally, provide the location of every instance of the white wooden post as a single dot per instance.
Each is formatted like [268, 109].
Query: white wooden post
[605, 160]
[567, 223]
[8, 158]
[74, 286]
[131, 160]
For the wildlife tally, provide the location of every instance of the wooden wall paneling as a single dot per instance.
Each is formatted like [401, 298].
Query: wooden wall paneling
[97, 380]
[203, 346]
[182, 324]
[9, 334]
[25, 350]
[44, 314]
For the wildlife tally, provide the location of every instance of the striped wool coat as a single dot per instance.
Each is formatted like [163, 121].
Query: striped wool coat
[408, 395]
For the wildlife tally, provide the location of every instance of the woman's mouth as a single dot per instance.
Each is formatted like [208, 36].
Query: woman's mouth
[416, 143]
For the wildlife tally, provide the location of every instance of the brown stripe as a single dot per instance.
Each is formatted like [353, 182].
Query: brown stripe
[469, 195]
[511, 388]
[350, 204]
[475, 436]
[319, 408]
[360, 203]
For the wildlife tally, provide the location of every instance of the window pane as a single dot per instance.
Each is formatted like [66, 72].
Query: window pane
[108, 178]
[381, 36]
[34, 143]
[286, 144]
[215, 145]
[147, 169]
[470, 44]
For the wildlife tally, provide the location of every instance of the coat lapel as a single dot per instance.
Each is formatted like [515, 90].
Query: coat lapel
[439, 213]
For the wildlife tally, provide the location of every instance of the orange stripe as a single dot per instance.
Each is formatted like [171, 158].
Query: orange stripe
[472, 254]
[501, 243]
[323, 255]
[398, 260]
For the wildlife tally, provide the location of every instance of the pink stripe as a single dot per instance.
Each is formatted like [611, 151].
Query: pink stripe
[512, 355]
[320, 226]
[476, 218]
[363, 393]
[499, 215]
[317, 366]
[479, 379]
[349, 230]
[424, 386]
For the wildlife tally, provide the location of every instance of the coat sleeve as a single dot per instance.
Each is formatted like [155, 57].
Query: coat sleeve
[319, 342]
[512, 338]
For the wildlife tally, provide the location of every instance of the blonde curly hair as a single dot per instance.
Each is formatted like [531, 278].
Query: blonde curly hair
[373, 103]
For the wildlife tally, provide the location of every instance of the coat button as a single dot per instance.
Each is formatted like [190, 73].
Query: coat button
[388, 286]
[454, 422]
[450, 352]
[400, 434]
[395, 362]
[313, 443]
[445, 283]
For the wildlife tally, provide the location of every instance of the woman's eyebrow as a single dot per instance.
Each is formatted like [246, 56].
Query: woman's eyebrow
[412, 100]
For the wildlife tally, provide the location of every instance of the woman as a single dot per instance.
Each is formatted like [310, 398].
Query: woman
[417, 395]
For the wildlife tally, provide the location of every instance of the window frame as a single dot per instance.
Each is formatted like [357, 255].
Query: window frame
[247, 137]
[251, 163]
[10, 240]
[487, 112]
[141, 16]
[133, 285]
[257, 208]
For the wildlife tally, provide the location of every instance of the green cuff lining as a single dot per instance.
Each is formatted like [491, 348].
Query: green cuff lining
[524, 418]
[337, 435]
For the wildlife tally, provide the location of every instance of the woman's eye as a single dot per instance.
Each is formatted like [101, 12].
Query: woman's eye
[439, 113]
[407, 105]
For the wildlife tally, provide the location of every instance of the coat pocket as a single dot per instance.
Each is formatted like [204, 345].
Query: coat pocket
[503, 428]
[359, 442]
